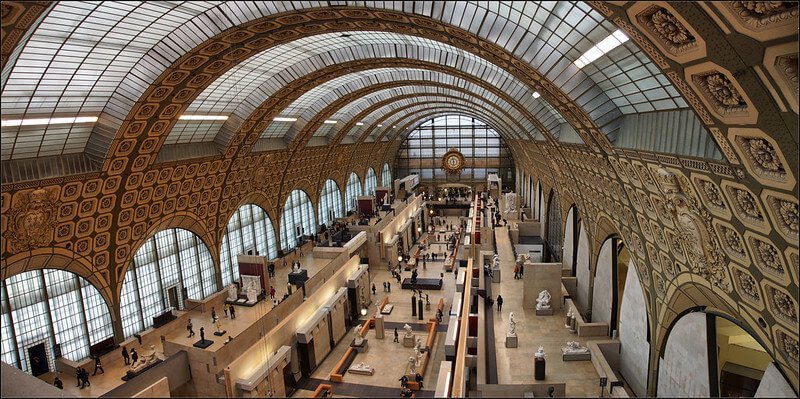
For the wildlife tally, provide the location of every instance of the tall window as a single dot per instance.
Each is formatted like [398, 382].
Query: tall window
[370, 182]
[352, 191]
[480, 144]
[297, 219]
[39, 299]
[173, 258]
[386, 176]
[249, 228]
[330, 203]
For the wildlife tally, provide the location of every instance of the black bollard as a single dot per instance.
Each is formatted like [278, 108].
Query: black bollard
[419, 305]
[413, 307]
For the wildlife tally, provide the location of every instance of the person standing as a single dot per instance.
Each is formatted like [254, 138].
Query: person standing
[232, 312]
[135, 356]
[78, 376]
[396, 336]
[213, 315]
[521, 270]
[97, 365]
[516, 272]
[57, 383]
[384, 286]
[289, 288]
[418, 378]
[389, 286]
[373, 289]
[125, 356]
[272, 292]
[499, 302]
[188, 327]
[85, 378]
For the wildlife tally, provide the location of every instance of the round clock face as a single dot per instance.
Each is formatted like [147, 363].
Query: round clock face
[453, 161]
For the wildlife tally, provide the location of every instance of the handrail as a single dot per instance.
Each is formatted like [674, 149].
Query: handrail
[461, 352]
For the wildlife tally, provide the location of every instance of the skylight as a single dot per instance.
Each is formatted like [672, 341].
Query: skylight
[283, 119]
[203, 117]
[600, 49]
[47, 121]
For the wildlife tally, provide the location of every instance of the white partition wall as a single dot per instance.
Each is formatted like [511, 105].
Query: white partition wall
[683, 370]
[602, 292]
[583, 272]
[635, 349]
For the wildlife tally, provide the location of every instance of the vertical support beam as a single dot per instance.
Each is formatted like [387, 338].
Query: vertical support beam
[713, 372]
[614, 284]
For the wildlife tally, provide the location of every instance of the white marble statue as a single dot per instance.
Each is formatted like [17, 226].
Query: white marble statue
[511, 202]
[409, 332]
[251, 288]
[540, 353]
[570, 315]
[357, 338]
[145, 359]
[296, 267]
[496, 261]
[218, 324]
[573, 347]
[512, 324]
[412, 364]
[233, 293]
[543, 301]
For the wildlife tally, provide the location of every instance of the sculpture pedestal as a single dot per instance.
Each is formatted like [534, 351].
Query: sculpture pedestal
[511, 341]
[203, 343]
[544, 312]
[361, 347]
[538, 369]
[220, 333]
[496, 275]
[379, 329]
[409, 340]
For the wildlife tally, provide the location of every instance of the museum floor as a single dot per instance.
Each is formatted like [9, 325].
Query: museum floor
[513, 365]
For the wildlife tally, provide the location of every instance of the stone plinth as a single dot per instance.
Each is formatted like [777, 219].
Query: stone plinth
[544, 312]
[511, 341]
[571, 357]
[409, 340]
[360, 347]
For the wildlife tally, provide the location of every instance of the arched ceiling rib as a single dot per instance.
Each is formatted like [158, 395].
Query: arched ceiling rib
[107, 54]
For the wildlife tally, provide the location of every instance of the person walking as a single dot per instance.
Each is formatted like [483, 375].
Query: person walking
[373, 289]
[188, 328]
[57, 383]
[213, 315]
[272, 292]
[125, 356]
[389, 286]
[85, 378]
[521, 270]
[396, 336]
[516, 272]
[97, 365]
[135, 356]
[232, 312]
[499, 302]
[78, 376]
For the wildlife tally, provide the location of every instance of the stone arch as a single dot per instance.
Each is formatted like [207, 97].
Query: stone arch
[571, 238]
[552, 228]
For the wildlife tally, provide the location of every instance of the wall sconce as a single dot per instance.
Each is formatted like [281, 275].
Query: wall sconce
[363, 311]
[399, 258]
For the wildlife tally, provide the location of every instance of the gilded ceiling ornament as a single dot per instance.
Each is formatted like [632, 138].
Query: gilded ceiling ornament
[764, 154]
[747, 204]
[722, 90]
[763, 8]
[768, 256]
[712, 193]
[790, 348]
[669, 28]
[32, 220]
[747, 285]
[784, 306]
[694, 230]
[789, 215]
[787, 65]
[732, 239]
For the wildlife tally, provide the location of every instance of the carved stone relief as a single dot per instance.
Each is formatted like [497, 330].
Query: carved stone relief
[767, 257]
[694, 230]
[789, 347]
[761, 157]
[732, 242]
[785, 214]
[666, 31]
[746, 206]
[782, 305]
[760, 14]
[32, 220]
[721, 93]
[748, 286]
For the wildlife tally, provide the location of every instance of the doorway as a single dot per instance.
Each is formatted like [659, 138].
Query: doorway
[172, 295]
[37, 356]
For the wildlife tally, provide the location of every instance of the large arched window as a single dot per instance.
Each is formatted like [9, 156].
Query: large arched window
[40, 299]
[352, 191]
[249, 228]
[297, 219]
[386, 176]
[330, 203]
[370, 182]
[171, 262]
[483, 149]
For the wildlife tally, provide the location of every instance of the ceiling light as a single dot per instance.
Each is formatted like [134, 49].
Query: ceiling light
[203, 117]
[47, 121]
[380, 125]
[536, 94]
[394, 127]
[283, 119]
[359, 123]
[598, 50]
[329, 121]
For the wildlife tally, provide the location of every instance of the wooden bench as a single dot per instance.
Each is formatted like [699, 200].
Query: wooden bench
[323, 391]
[383, 303]
[339, 370]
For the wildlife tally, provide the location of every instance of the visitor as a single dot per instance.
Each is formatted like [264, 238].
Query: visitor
[439, 315]
[188, 327]
[289, 288]
[57, 383]
[499, 302]
[78, 376]
[125, 357]
[272, 292]
[521, 270]
[384, 286]
[373, 289]
[418, 378]
[271, 269]
[85, 378]
[516, 272]
[213, 315]
[389, 286]
[97, 365]
[232, 312]
[135, 356]
[403, 381]
[396, 336]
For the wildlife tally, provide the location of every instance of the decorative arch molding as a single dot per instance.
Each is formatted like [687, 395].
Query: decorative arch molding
[258, 198]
